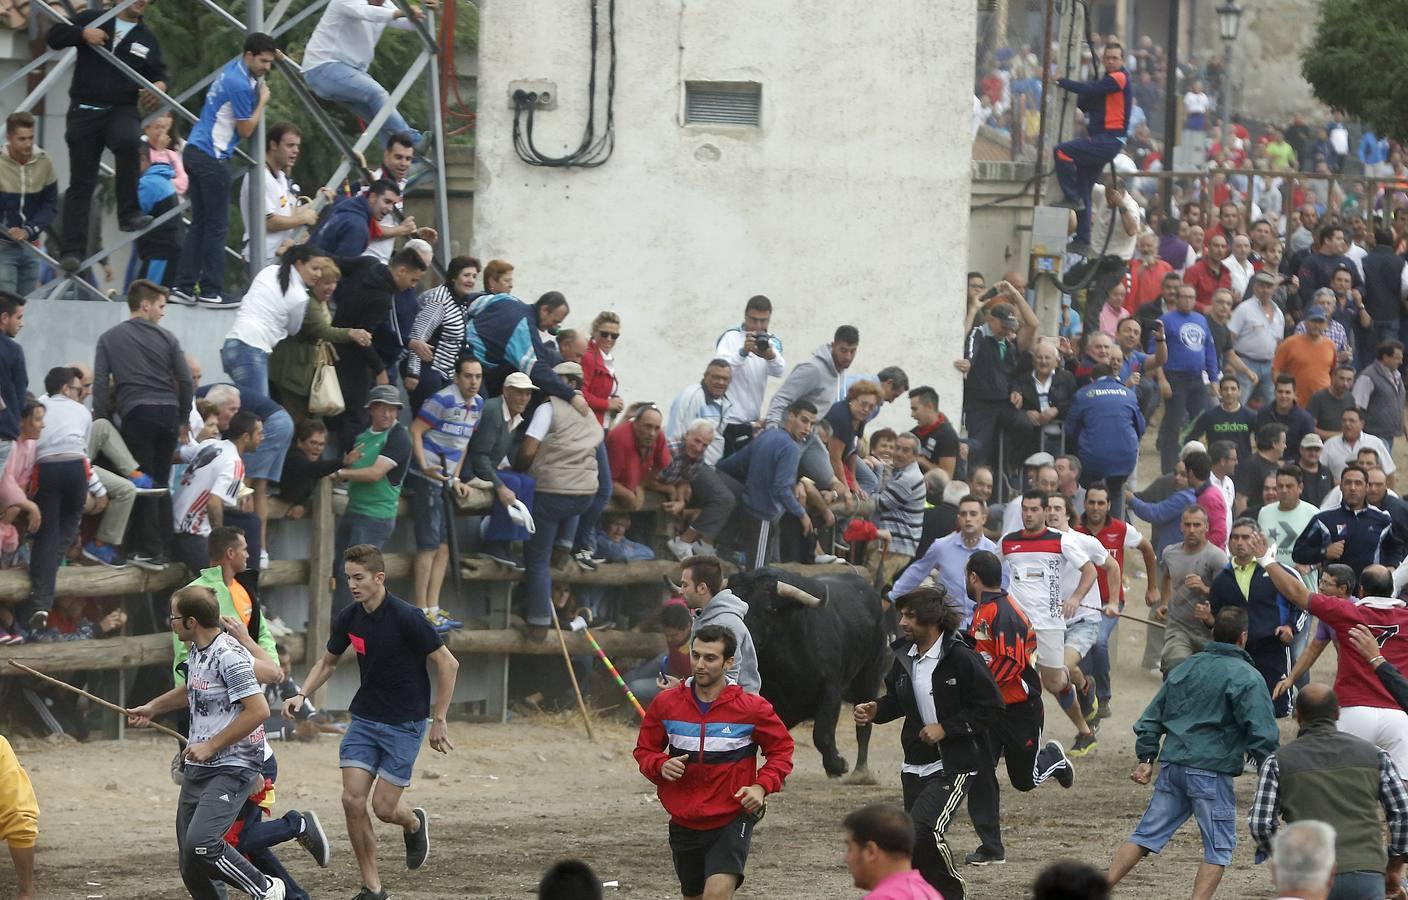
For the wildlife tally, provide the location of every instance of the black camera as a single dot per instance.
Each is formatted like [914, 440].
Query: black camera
[761, 341]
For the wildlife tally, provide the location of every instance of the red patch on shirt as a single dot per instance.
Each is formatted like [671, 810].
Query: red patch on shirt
[358, 644]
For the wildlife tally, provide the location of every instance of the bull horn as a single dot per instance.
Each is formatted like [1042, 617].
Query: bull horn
[792, 592]
[676, 588]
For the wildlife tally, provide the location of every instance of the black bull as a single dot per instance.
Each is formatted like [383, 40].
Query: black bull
[812, 657]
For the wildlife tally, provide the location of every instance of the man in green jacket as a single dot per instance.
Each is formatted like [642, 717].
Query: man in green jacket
[229, 555]
[1212, 713]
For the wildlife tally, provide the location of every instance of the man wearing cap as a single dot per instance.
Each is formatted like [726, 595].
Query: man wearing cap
[989, 366]
[559, 451]
[1316, 480]
[1308, 357]
[489, 445]
[1257, 326]
[383, 454]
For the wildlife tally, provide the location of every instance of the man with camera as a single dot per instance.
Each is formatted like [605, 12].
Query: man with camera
[755, 356]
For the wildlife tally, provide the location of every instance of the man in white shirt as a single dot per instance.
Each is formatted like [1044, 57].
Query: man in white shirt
[1345, 446]
[1257, 327]
[282, 214]
[706, 400]
[210, 485]
[340, 52]
[1239, 265]
[755, 356]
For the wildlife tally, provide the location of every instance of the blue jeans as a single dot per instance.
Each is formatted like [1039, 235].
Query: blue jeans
[427, 501]
[267, 462]
[1078, 164]
[203, 253]
[387, 751]
[584, 531]
[248, 367]
[19, 269]
[1181, 791]
[550, 514]
[1190, 397]
[1097, 662]
[1264, 387]
[360, 93]
[1357, 886]
[354, 529]
[499, 527]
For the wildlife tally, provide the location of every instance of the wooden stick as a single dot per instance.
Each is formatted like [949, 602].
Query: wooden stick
[567, 658]
[1149, 622]
[98, 700]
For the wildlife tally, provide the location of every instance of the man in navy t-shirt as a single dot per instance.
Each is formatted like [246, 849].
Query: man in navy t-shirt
[392, 640]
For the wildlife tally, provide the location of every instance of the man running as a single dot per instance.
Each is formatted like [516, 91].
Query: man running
[1083, 612]
[1367, 709]
[1003, 637]
[1035, 558]
[1187, 571]
[698, 743]
[947, 696]
[225, 753]
[393, 640]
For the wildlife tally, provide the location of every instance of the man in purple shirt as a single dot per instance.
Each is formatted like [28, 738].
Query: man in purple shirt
[879, 841]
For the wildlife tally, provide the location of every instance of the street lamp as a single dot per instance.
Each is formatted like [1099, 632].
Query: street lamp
[1229, 22]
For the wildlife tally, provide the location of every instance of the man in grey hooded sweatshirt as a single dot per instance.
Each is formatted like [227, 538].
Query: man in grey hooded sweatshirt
[701, 583]
[818, 377]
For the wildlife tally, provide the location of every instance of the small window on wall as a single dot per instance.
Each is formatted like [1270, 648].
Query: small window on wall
[723, 103]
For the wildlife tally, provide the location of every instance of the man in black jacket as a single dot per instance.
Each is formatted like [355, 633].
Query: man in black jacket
[1384, 287]
[102, 113]
[947, 695]
[1046, 393]
[363, 300]
[1271, 623]
[989, 364]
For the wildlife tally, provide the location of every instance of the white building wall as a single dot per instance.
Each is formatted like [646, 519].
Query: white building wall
[848, 205]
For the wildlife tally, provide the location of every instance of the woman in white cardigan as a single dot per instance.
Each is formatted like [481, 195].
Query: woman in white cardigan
[272, 310]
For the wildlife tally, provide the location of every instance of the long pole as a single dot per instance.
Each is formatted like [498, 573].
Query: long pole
[1170, 105]
[1045, 102]
[254, 215]
[610, 667]
[1226, 133]
[98, 700]
[572, 674]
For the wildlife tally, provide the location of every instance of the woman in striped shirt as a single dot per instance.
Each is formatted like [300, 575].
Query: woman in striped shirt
[437, 336]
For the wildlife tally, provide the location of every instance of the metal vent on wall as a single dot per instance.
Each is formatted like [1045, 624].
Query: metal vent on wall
[723, 103]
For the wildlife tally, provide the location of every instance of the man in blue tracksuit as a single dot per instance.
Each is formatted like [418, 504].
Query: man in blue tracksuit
[1106, 103]
[766, 468]
[502, 332]
[1271, 623]
[1192, 365]
[1105, 425]
[1354, 533]
[346, 232]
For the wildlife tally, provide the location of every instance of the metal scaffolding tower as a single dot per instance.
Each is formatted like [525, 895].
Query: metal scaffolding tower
[252, 163]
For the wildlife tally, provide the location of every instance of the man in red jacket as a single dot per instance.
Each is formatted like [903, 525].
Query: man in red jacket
[698, 744]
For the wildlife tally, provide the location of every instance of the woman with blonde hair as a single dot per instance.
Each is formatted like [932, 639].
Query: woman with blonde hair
[294, 361]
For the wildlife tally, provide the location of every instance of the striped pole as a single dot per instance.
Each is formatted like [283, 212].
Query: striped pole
[614, 674]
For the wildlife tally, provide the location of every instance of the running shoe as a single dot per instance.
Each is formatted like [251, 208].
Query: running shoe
[418, 842]
[586, 559]
[1066, 775]
[180, 298]
[682, 550]
[985, 857]
[276, 890]
[314, 839]
[105, 555]
[39, 621]
[367, 893]
[152, 562]
[217, 301]
[445, 623]
[141, 480]
[1084, 744]
[1089, 703]
[1102, 711]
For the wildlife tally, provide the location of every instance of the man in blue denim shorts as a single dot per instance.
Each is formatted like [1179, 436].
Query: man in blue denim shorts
[393, 641]
[1213, 712]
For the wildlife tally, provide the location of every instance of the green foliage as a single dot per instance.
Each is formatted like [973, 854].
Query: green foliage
[1357, 62]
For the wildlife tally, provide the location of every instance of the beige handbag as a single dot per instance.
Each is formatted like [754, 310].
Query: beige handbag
[325, 394]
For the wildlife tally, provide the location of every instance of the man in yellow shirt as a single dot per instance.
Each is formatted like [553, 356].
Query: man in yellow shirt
[19, 819]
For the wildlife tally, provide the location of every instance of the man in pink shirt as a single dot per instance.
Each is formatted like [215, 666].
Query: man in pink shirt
[879, 844]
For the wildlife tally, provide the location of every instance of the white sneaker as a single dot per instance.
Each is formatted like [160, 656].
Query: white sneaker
[704, 548]
[276, 890]
[681, 549]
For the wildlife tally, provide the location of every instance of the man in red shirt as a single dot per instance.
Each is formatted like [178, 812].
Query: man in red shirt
[638, 452]
[1208, 274]
[1367, 709]
[699, 744]
[1146, 273]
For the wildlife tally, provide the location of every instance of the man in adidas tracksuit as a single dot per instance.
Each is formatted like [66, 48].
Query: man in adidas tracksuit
[699, 743]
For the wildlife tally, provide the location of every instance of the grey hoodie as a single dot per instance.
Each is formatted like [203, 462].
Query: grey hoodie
[815, 379]
[726, 609]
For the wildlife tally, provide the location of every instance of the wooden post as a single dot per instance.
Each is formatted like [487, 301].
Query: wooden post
[320, 563]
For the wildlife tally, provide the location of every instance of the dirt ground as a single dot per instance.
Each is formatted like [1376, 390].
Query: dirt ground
[513, 798]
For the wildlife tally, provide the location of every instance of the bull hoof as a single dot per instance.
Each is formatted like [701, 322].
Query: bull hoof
[837, 767]
[862, 777]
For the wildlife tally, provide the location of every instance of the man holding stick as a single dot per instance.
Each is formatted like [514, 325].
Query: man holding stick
[225, 753]
[393, 640]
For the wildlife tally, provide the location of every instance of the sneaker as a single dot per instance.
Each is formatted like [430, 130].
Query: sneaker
[1084, 744]
[683, 550]
[828, 559]
[152, 562]
[315, 840]
[137, 223]
[586, 560]
[217, 302]
[1102, 711]
[985, 857]
[276, 890]
[142, 481]
[105, 555]
[10, 638]
[445, 623]
[367, 893]
[1066, 775]
[180, 298]
[1089, 703]
[418, 842]
[39, 621]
